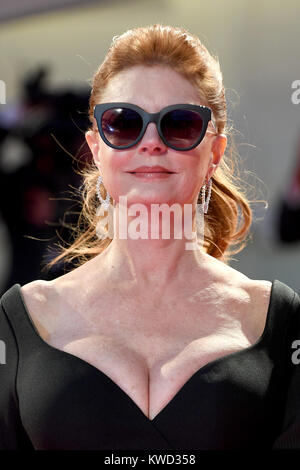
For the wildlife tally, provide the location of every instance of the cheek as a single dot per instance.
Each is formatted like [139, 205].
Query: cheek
[195, 172]
[116, 161]
[114, 164]
[191, 183]
[194, 165]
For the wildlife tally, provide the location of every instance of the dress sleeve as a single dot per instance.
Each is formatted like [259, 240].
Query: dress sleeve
[289, 438]
[12, 433]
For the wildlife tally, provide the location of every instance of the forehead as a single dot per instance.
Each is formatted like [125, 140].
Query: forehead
[151, 87]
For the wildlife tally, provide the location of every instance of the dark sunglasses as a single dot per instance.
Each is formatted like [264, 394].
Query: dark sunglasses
[180, 126]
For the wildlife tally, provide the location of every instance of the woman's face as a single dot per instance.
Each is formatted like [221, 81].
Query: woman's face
[153, 88]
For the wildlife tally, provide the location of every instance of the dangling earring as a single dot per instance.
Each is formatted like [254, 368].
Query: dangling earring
[206, 202]
[105, 202]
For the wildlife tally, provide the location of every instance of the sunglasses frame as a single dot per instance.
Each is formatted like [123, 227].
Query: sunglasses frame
[204, 111]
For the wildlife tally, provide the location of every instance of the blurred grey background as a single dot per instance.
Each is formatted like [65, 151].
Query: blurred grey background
[257, 43]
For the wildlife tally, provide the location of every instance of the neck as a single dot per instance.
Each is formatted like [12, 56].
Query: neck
[152, 261]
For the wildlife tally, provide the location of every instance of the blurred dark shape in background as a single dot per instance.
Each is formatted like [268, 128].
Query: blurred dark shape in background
[289, 206]
[36, 136]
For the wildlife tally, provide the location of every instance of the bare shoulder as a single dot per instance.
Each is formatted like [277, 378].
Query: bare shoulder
[50, 302]
[261, 289]
[250, 297]
[259, 292]
[35, 291]
[39, 298]
[39, 293]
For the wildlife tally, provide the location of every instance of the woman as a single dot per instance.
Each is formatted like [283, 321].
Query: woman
[148, 344]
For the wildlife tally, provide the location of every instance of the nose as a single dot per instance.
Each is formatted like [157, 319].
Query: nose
[151, 141]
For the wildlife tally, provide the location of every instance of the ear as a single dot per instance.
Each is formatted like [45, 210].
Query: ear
[93, 143]
[218, 148]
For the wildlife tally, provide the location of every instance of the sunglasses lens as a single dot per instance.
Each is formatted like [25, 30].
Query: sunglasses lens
[181, 128]
[121, 126]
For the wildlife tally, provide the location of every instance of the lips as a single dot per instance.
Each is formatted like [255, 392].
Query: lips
[151, 169]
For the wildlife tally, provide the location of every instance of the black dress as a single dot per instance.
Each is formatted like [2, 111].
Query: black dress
[249, 399]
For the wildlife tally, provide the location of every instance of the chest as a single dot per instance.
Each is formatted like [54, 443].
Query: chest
[74, 406]
[152, 367]
[150, 357]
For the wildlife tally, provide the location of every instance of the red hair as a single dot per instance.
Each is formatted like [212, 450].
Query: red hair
[229, 216]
